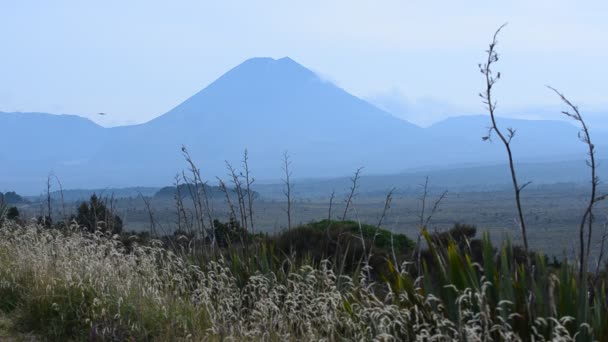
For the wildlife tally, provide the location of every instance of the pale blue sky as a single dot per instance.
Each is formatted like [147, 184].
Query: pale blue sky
[136, 59]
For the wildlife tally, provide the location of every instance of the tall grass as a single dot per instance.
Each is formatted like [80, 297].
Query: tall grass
[76, 285]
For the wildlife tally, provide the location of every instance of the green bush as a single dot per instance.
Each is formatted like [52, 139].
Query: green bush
[95, 215]
[341, 243]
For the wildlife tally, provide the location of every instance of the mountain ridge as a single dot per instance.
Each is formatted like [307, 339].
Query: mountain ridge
[267, 106]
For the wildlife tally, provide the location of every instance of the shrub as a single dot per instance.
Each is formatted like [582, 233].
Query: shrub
[95, 215]
[340, 242]
[12, 213]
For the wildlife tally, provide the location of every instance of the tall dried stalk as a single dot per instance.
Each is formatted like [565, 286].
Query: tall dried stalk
[248, 182]
[331, 202]
[425, 219]
[148, 206]
[353, 191]
[587, 218]
[505, 138]
[63, 210]
[238, 187]
[224, 189]
[435, 207]
[393, 255]
[110, 219]
[202, 199]
[182, 218]
[363, 245]
[287, 189]
[601, 256]
[423, 196]
[196, 202]
[387, 205]
[48, 220]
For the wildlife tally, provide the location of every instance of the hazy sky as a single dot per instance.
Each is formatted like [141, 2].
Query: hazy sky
[137, 59]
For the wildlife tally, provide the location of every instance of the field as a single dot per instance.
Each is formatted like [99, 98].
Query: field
[553, 212]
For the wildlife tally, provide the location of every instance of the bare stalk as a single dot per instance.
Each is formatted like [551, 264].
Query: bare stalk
[601, 256]
[397, 266]
[182, 217]
[110, 219]
[367, 268]
[154, 225]
[505, 138]
[146, 201]
[435, 207]
[201, 195]
[63, 211]
[48, 201]
[177, 196]
[425, 219]
[287, 189]
[587, 218]
[238, 187]
[208, 209]
[423, 196]
[331, 202]
[387, 206]
[227, 195]
[248, 182]
[352, 193]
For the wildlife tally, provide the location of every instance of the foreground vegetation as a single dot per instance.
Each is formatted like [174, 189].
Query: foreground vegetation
[73, 284]
[83, 278]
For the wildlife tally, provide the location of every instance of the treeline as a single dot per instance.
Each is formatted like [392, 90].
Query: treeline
[11, 198]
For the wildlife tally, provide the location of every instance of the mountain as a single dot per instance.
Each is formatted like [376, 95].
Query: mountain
[267, 106]
[459, 139]
[42, 137]
[36, 144]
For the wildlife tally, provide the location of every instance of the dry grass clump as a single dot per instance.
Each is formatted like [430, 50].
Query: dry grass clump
[76, 285]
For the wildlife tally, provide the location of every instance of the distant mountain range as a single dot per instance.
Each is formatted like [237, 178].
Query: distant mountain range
[267, 106]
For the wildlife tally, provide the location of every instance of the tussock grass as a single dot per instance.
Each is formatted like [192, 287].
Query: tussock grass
[74, 285]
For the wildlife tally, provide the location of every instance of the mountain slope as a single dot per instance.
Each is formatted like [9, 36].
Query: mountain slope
[267, 106]
[459, 139]
[47, 137]
[36, 144]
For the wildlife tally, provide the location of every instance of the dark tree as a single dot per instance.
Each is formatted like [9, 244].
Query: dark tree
[230, 232]
[12, 213]
[46, 221]
[95, 215]
[11, 197]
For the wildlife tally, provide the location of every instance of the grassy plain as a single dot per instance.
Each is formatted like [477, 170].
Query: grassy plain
[553, 213]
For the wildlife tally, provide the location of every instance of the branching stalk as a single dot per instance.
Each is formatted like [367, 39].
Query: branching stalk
[248, 182]
[353, 191]
[505, 137]
[587, 218]
[287, 190]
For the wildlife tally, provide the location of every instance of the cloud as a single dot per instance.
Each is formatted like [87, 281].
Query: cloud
[423, 111]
